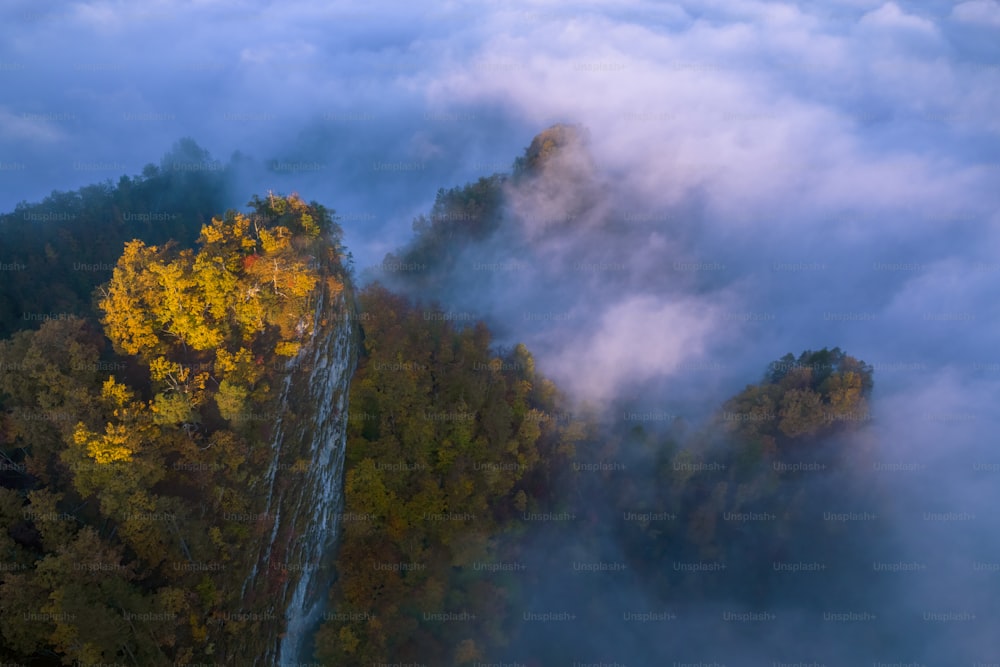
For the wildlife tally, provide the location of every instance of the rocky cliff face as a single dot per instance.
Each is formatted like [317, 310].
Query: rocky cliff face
[302, 488]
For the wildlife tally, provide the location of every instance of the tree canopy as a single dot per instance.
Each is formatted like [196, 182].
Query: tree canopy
[129, 467]
[63, 247]
[817, 394]
[449, 444]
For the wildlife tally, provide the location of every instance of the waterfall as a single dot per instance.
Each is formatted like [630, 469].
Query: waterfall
[311, 426]
[328, 383]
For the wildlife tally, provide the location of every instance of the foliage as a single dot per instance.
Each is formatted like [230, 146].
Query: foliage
[459, 216]
[816, 395]
[448, 445]
[67, 244]
[743, 491]
[544, 147]
[126, 458]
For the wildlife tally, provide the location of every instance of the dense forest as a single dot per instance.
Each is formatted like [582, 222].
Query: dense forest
[432, 563]
[455, 452]
[450, 444]
[137, 413]
[133, 452]
[60, 249]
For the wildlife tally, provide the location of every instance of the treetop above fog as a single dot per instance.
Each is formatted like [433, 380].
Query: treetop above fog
[817, 394]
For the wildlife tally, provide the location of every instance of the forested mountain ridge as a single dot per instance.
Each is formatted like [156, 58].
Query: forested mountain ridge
[139, 473]
[473, 214]
[55, 252]
[171, 474]
[452, 448]
[741, 491]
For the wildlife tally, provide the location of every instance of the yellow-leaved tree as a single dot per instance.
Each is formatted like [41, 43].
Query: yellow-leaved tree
[249, 290]
[128, 318]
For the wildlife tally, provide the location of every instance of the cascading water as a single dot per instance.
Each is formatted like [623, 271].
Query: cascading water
[304, 482]
[332, 366]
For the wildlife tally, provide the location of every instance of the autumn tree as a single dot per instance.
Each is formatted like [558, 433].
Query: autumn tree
[450, 440]
[248, 290]
[129, 464]
[814, 395]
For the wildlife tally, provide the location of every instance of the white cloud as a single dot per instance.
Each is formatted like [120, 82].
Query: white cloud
[639, 339]
[980, 12]
[889, 16]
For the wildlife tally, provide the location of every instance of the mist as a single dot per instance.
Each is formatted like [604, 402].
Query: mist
[756, 178]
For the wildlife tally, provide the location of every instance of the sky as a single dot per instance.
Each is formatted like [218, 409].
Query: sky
[759, 178]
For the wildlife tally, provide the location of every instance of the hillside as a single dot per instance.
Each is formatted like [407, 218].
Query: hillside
[57, 251]
[153, 493]
[235, 456]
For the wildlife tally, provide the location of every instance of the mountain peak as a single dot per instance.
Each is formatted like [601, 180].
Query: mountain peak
[549, 143]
